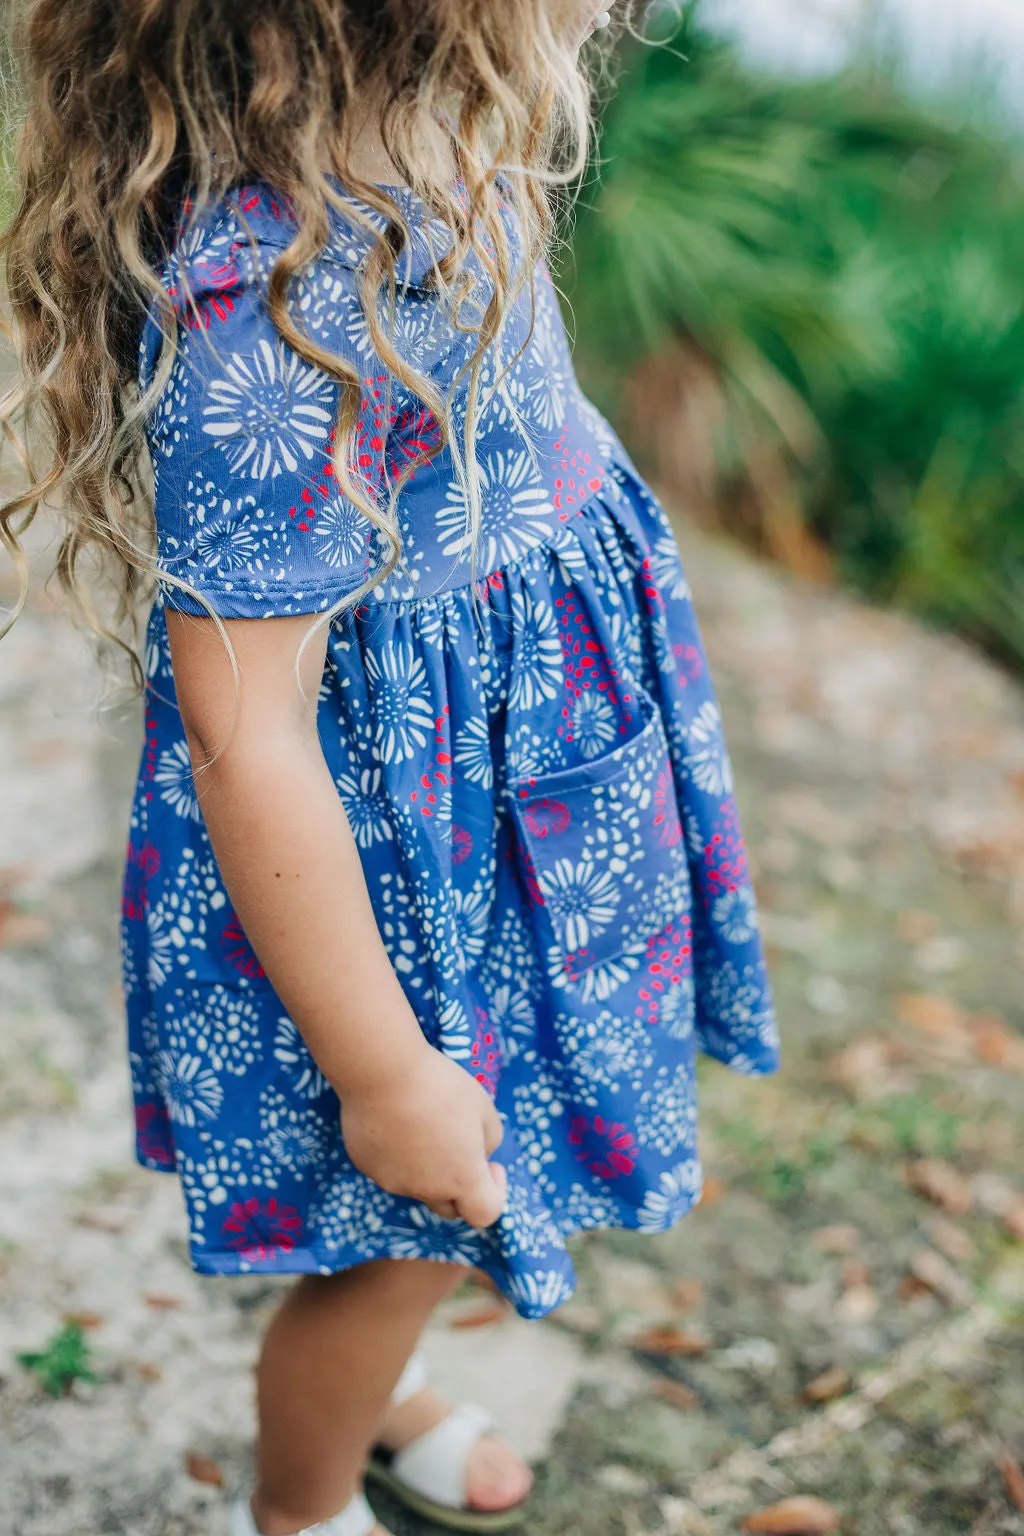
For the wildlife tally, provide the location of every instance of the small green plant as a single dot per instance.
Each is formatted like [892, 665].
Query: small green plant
[917, 1124]
[778, 1176]
[67, 1358]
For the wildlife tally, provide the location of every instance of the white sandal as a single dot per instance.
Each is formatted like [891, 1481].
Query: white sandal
[356, 1519]
[429, 1475]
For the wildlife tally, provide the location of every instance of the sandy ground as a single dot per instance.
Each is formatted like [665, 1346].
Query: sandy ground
[861, 1217]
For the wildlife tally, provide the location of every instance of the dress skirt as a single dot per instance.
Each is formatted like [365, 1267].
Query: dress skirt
[534, 771]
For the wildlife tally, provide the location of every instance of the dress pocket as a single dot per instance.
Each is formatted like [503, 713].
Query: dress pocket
[604, 850]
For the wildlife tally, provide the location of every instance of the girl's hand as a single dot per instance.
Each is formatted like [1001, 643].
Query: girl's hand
[426, 1133]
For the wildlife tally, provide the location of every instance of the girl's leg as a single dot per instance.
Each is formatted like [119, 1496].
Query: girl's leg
[330, 1362]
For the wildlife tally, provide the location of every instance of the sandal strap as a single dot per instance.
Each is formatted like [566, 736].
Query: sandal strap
[436, 1463]
[356, 1519]
[412, 1380]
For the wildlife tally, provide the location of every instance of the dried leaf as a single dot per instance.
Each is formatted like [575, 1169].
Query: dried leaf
[933, 1015]
[837, 1240]
[1013, 1479]
[160, 1302]
[939, 1276]
[714, 1190]
[801, 1516]
[669, 1341]
[996, 1044]
[11, 876]
[687, 1294]
[21, 929]
[954, 1242]
[482, 1316]
[150, 1372]
[857, 1305]
[84, 1319]
[675, 1394]
[831, 1383]
[108, 1218]
[1013, 1218]
[911, 1288]
[203, 1470]
[863, 1067]
[855, 1272]
[940, 1182]
[913, 926]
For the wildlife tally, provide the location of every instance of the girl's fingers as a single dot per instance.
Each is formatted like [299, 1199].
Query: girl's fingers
[446, 1209]
[494, 1131]
[486, 1203]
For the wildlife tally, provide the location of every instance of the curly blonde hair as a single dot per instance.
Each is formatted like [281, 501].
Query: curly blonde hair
[131, 106]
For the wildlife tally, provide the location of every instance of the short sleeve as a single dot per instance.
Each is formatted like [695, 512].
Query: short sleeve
[248, 510]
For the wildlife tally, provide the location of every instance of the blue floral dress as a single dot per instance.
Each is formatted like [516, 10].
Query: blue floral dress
[529, 753]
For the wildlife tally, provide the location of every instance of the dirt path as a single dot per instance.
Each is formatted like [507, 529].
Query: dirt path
[882, 779]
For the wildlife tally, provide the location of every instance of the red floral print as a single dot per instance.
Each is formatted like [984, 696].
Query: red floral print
[260, 1231]
[606, 1146]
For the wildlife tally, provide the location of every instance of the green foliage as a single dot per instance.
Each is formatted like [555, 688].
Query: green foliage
[845, 262]
[66, 1359]
[778, 1174]
[915, 1123]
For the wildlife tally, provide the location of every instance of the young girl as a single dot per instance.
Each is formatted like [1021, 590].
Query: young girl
[435, 885]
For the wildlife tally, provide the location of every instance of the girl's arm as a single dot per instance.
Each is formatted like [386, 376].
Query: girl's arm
[414, 1121]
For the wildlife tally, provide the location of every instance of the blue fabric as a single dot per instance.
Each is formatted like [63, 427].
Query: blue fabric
[529, 752]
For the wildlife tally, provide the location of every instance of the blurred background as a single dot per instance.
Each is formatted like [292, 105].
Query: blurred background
[796, 288]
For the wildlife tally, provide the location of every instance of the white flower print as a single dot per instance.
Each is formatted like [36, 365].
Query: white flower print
[270, 412]
[351, 1210]
[536, 1105]
[585, 1208]
[162, 944]
[740, 1009]
[678, 1189]
[190, 1090]
[227, 546]
[293, 1054]
[226, 1028]
[454, 1035]
[515, 508]
[706, 759]
[294, 1138]
[608, 1050]
[593, 723]
[675, 1010]
[598, 982]
[538, 1292]
[667, 570]
[416, 1233]
[472, 911]
[581, 900]
[665, 1117]
[400, 701]
[473, 752]
[734, 915]
[547, 394]
[366, 806]
[537, 662]
[340, 533]
[173, 777]
[512, 1013]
